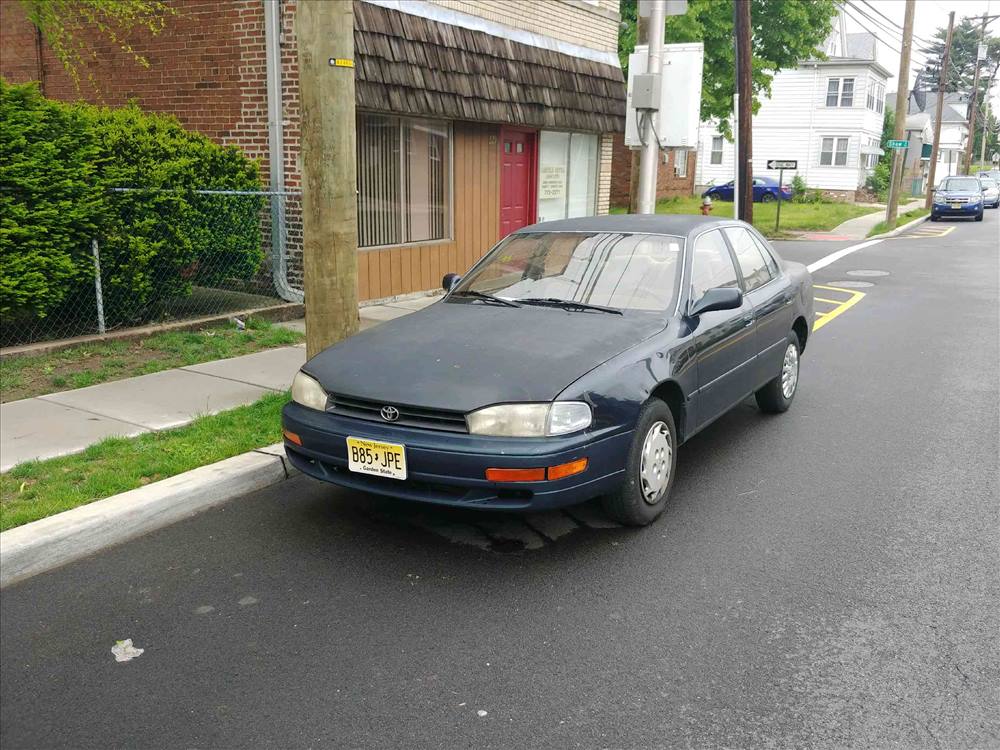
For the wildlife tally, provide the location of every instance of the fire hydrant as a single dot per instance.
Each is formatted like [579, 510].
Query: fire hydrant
[706, 206]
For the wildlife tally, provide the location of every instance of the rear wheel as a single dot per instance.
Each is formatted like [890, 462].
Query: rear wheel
[649, 470]
[767, 198]
[777, 395]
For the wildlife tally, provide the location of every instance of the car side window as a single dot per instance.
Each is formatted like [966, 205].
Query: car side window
[772, 264]
[711, 265]
[753, 266]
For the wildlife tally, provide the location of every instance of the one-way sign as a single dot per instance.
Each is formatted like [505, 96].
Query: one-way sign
[782, 164]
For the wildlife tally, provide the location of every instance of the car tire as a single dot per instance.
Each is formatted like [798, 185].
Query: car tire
[777, 395]
[767, 198]
[935, 217]
[979, 216]
[645, 492]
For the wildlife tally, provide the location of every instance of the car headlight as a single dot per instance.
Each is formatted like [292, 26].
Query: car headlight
[308, 392]
[530, 420]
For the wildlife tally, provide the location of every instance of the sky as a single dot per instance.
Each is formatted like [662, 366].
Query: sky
[930, 15]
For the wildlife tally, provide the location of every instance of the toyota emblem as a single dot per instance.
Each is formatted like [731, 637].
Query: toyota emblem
[390, 413]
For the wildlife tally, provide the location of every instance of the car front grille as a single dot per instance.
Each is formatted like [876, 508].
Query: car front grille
[409, 416]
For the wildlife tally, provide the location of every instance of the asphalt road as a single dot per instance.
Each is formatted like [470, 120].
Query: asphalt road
[825, 578]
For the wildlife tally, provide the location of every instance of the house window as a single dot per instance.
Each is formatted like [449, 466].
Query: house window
[567, 175]
[680, 162]
[404, 180]
[876, 97]
[716, 149]
[833, 152]
[840, 92]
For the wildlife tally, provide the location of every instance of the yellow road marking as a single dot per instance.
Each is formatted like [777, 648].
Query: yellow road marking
[927, 232]
[830, 301]
[823, 318]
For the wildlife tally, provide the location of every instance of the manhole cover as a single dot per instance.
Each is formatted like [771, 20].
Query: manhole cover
[851, 284]
[867, 272]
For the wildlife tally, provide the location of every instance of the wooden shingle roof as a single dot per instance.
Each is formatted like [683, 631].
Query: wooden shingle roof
[410, 65]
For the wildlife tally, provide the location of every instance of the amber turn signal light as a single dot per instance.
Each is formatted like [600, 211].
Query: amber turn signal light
[567, 470]
[291, 437]
[515, 475]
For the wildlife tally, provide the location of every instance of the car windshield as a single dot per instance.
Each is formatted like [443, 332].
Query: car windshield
[610, 269]
[964, 184]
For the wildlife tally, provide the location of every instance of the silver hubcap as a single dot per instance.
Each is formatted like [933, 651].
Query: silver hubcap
[790, 371]
[654, 469]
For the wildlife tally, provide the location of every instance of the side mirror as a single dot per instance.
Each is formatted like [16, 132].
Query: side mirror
[450, 281]
[720, 298]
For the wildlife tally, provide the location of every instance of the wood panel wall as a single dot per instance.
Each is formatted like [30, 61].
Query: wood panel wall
[388, 272]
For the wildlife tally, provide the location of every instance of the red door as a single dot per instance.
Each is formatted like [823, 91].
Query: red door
[517, 179]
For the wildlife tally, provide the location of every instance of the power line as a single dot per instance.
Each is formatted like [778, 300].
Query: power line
[896, 35]
[894, 23]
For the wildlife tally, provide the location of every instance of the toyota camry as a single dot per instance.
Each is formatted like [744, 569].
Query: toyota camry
[569, 363]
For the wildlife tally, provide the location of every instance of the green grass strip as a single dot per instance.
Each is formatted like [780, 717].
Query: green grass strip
[100, 362]
[900, 220]
[37, 489]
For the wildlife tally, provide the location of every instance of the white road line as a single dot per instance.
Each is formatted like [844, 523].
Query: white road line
[832, 257]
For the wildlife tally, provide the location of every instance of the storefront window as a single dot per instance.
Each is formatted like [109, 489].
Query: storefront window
[404, 174]
[567, 175]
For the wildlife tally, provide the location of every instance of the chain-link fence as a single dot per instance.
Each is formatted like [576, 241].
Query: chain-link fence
[169, 255]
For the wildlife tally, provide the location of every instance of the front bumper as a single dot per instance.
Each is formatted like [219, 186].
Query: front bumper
[966, 209]
[449, 468]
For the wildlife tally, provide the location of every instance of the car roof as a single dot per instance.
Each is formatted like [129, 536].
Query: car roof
[679, 225]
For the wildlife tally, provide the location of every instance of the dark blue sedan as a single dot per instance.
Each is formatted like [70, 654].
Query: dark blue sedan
[765, 190]
[571, 362]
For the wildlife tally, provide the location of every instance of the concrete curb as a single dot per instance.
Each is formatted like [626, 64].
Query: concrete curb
[51, 542]
[899, 230]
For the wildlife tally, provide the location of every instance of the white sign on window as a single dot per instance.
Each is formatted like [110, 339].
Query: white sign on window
[551, 181]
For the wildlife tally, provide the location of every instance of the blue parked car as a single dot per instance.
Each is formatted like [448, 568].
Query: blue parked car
[958, 196]
[765, 190]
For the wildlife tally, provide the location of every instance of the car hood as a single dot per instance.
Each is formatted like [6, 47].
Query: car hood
[946, 194]
[462, 356]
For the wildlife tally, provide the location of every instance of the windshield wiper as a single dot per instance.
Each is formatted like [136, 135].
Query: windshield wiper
[484, 297]
[567, 304]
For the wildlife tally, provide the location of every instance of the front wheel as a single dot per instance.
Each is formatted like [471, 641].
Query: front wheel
[979, 216]
[777, 395]
[649, 469]
[935, 217]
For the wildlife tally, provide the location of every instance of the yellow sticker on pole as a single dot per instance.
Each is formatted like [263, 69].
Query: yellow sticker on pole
[340, 62]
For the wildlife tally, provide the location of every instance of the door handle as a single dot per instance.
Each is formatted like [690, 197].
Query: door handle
[748, 322]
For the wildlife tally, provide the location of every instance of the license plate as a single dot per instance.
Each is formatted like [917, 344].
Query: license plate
[956, 205]
[376, 458]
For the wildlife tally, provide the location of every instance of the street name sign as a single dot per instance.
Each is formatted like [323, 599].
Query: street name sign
[898, 144]
[782, 164]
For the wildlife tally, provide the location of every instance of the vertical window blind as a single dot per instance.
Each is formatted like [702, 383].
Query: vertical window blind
[404, 180]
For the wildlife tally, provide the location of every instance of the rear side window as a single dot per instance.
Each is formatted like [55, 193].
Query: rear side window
[772, 264]
[753, 266]
[711, 265]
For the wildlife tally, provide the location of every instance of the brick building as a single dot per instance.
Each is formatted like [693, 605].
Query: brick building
[674, 177]
[475, 117]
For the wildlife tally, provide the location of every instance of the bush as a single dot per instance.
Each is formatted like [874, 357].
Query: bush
[60, 166]
[802, 193]
[50, 202]
[878, 181]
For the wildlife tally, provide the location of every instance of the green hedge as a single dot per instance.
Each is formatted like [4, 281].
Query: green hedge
[59, 167]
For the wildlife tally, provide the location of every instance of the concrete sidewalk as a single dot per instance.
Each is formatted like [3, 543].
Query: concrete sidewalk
[61, 423]
[858, 228]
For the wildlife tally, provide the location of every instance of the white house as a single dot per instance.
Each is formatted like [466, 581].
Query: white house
[919, 131]
[825, 114]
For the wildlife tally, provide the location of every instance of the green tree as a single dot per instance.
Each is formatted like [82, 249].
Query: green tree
[61, 21]
[785, 32]
[962, 64]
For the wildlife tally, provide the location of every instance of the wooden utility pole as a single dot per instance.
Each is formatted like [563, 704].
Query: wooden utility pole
[942, 80]
[902, 96]
[744, 169]
[641, 37]
[325, 32]
[975, 97]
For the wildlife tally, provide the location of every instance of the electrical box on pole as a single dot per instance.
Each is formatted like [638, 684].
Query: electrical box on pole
[676, 121]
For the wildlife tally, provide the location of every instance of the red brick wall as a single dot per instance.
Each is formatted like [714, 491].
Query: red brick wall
[668, 184]
[207, 67]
